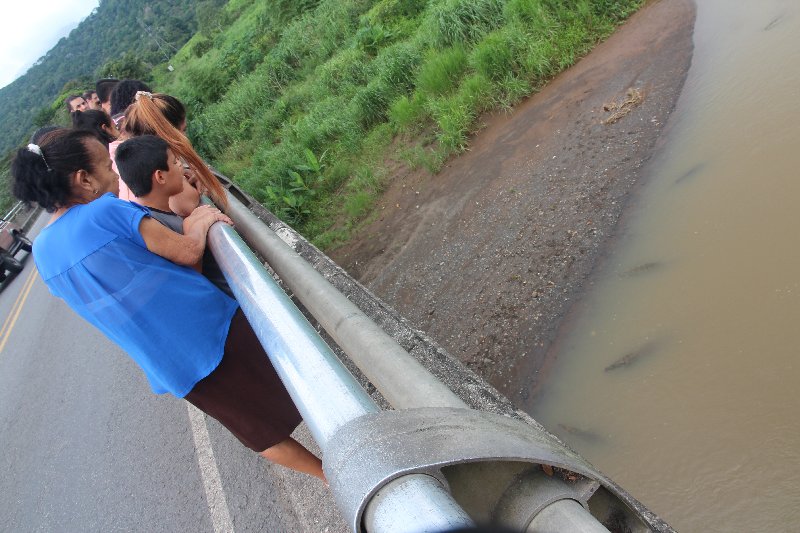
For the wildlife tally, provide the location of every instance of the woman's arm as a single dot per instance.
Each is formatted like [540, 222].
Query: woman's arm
[186, 249]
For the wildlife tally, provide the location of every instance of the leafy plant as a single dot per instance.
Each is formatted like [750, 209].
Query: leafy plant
[314, 165]
[290, 195]
[371, 38]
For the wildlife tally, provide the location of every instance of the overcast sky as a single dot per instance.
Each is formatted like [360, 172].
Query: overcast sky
[32, 27]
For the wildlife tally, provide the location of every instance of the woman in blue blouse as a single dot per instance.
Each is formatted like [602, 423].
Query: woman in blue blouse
[130, 276]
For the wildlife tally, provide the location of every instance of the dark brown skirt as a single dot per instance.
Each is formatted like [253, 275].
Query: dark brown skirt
[245, 394]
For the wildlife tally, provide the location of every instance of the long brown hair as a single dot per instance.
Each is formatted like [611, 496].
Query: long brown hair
[146, 117]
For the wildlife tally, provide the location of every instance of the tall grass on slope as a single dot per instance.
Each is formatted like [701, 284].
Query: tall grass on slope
[451, 22]
[307, 42]
[365, 84]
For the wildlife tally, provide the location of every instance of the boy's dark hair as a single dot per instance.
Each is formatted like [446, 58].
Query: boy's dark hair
[87, 95]
[138, 158]
[44, 178]
[93, 120]
[104, 87]
[68, 101]
[124, 93]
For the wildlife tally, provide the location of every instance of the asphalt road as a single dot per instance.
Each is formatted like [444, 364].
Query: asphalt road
[87, 447]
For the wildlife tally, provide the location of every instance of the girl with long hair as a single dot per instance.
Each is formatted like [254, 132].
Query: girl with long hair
[164, 116]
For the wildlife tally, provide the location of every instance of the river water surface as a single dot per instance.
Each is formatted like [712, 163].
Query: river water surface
[679, 373]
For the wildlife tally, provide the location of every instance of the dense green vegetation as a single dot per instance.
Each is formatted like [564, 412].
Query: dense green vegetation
[308, 103]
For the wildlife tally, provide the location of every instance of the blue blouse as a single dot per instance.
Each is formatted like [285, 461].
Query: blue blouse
[170, 319]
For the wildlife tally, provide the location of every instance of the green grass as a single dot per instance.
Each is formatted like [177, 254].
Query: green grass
[365, 85]
[442, 70]
[408, 113]
[451, 22]
[499, 53]
[453, 118]
[365, 187]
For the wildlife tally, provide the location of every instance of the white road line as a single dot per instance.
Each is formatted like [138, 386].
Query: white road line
[217, 504]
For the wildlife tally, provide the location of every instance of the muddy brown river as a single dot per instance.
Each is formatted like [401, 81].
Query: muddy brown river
[679, 373]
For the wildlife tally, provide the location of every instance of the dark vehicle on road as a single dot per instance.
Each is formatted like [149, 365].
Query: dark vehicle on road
[12, 240]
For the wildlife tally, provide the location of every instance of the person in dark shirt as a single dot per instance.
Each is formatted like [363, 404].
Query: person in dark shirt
[139, 159]
[103, 88]
[98, 122]
[123, 95]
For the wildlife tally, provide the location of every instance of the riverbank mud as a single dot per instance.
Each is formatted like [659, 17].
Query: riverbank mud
[488, 256]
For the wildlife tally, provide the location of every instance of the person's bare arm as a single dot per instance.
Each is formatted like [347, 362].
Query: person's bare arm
[186, 249]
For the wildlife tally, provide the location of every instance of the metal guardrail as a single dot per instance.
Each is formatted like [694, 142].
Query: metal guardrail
[431, 466]
[326, 394]
[400, 378]
[16, 210]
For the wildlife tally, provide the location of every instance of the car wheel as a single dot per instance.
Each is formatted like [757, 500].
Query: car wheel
[24, 242]
[12, 264]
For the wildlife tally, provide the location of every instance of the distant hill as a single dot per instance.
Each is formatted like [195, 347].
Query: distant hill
[149, 31]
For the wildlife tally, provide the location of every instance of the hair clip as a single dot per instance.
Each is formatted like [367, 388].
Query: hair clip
[146, 94]
[36, 149]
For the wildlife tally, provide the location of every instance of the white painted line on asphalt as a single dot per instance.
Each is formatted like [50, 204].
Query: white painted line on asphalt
[217, 504]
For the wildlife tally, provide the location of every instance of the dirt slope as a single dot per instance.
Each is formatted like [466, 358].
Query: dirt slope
[488, 256]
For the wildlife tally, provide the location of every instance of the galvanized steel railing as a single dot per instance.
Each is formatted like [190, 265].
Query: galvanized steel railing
[325, 393]
[13, 212]
[401, 494]
[18, 208]
[400, 378]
